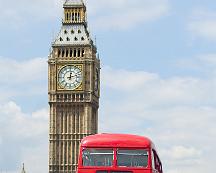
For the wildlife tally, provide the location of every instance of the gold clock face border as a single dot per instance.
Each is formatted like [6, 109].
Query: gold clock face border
[78, 88]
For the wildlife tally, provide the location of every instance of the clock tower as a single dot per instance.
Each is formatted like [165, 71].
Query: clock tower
[73, 89]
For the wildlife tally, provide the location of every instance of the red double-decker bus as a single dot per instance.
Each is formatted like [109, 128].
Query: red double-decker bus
[118, 153]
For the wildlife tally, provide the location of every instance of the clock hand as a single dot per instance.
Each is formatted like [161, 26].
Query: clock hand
[70, 76]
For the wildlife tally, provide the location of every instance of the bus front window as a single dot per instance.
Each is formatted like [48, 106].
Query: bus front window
[132, 158]
[97, 157]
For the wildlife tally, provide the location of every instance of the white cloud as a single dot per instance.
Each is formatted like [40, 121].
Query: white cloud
[25, 78]
[173, 90]
[126, 80]
[181, 158]
[209, 59]
[24, 138]
[178, 113]
[16, 119]
[13, 72]
[181, 152]
[125, 14]
[112, 14]
[25, 11]
[203, 24]
[204, 64]
[40, 114]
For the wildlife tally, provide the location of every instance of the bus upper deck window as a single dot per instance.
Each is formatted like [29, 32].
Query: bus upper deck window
[132, 158]
[97, 157]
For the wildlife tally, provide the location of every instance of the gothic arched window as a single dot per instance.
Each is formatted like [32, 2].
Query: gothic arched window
[78, 53]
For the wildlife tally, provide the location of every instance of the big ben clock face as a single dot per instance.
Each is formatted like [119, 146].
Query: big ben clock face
[70, 77]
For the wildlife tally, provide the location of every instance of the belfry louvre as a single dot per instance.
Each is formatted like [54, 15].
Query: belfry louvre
[73, 88]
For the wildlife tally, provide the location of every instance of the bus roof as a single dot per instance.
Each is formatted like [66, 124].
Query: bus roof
[116, 140]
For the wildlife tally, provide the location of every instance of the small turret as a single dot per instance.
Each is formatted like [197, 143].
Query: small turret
[74, 12]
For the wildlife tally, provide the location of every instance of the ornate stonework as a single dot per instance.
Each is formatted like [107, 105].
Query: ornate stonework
[74, 86]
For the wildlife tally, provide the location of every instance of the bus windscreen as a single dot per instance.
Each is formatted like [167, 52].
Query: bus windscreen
[132, 158]
[97, 157]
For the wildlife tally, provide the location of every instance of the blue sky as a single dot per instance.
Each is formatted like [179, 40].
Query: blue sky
[158, 77]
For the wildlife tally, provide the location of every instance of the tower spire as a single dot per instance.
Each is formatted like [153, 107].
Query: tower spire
[23, 169]
[73, 88]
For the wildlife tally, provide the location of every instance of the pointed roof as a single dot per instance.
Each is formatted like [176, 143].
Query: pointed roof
[75, 34]
[23, 169]
[69, 3]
